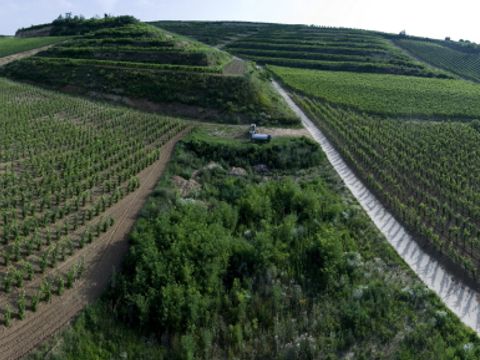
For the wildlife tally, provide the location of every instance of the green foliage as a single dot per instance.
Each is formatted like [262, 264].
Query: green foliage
[77, 25]
[397, 96]
[328, 49]
[211, 33]
[281, 153]
[407, 164]
[284, 268]
[464, 64]
[254, 268]
[11, 45]
[137, 62]
[306, 46]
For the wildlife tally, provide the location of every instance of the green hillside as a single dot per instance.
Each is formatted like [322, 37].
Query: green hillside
[460, 61]
[285, 268]
[12, 45]
[141, 65]
[213, 33]
[396, 96]
[309, 47]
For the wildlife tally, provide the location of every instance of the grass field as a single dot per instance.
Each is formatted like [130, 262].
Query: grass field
[11, 45]
[397, 96]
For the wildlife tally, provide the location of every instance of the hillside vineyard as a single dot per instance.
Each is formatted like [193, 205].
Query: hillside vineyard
[63, 163]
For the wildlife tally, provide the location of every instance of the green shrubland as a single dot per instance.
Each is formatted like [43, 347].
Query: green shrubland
[279, 264]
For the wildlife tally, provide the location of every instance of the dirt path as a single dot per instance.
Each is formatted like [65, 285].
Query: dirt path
[101, 258]
[22, 55]
[237, 67]
[456, 295]
[233, 39]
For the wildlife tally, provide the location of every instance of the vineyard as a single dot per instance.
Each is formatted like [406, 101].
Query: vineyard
[141, 65]
[64, 162]
[10, 45]
[426, 173]
[211, 33]
[243, 249]
[395, 96]
[328, 49]
[461, 63]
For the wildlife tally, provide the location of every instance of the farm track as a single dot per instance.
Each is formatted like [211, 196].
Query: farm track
[237, 67]
[101, 258]
[22, 55]
[460, 298]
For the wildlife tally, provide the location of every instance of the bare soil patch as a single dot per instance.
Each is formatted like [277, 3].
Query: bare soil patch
[22, 55]
[237, 67]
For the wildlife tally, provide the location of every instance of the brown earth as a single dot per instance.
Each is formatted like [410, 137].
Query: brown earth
[237, 67]
[11, 58]
[101, 258]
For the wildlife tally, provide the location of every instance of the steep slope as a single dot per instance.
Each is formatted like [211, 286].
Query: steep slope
[310, 47]
[143, 66]
[461, 60]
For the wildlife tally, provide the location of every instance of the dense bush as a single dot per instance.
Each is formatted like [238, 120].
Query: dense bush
[249, 268]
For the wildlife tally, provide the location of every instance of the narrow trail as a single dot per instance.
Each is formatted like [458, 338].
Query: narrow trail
[458, 297]
[101, 258]
[22, 55]
[237, 67]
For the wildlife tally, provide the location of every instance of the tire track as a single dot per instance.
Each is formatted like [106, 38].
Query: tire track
[101, 258]
[22, 55]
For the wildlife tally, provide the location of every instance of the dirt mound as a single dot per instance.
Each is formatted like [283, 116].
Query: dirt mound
[186, 187]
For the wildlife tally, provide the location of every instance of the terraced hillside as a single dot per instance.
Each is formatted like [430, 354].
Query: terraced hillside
[312, 47]
[215, 33]
[459, 60]
[143, 66]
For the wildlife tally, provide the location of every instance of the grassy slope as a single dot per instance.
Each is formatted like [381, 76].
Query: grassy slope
[373, 307]
[181, 76]
[399, 96]
[11, 45]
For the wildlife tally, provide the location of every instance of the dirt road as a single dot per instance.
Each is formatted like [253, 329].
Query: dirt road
[457, 296]
[237, 67]
[11, 58]
[101, 258]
